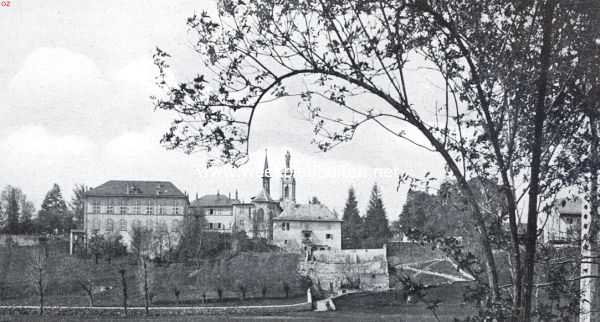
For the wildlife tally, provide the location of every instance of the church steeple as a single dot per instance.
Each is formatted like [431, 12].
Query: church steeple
[266, 177]
[288, 182]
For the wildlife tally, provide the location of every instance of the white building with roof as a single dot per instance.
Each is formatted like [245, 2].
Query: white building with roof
[563, 225]
[306, 228]
[116, 206]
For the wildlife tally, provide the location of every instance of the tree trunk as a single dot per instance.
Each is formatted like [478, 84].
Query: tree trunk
[90, 296]
[124, 284]
[535, 165]
[146, 295]
[589, 251]
[41, 289]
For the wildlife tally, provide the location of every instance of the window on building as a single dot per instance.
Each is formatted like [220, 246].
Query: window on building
[328, 236]
[149, 210]
[110, 226]
[123, 210]
[210, 225]
[161, 210]
[287, 226]
[285, 241]
[136, 209]
[96, 207]
[211, 211]
[218, 225]
[176, 210]
[242, 224]
[109, 207]
[123, 225]
[307, 234]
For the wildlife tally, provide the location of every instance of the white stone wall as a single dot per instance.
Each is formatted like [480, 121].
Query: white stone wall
[331, 269]
[291, 239]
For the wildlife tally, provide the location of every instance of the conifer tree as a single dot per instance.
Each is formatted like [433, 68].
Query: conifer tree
[12, 211]
[352, 225]
[376, 226]
[53, 215]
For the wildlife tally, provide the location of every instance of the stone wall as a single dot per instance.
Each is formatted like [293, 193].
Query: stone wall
[335, 270]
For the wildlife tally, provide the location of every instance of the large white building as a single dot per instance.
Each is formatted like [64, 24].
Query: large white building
[308, 227]
[115, 207]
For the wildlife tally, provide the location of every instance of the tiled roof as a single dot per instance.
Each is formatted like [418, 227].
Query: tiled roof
[217, 200]
[129, 188]
[263, 196]
[309, 212]
[569, 205]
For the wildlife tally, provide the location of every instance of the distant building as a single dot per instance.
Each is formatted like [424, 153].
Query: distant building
[307, 227]
[292, 226]
[217, 209]
[563, 225]
[115, 207]
[227, 215]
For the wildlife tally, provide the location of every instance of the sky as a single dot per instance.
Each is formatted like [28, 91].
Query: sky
[75, 82]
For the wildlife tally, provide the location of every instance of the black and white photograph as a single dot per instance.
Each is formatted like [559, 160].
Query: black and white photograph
[300, 160]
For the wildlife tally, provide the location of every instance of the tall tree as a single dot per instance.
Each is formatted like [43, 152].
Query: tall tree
[77, 205]
[18, 210]
[376, 226]
[53, 214]
[12, 210]
[26, 215]
[352, 223]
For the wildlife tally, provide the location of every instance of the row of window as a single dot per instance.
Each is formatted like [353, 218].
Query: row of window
[138, 202]
[110, 225]
[124, 210]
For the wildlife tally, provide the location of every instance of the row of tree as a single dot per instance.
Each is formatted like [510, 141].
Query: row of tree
[18, 215]
[370, 231]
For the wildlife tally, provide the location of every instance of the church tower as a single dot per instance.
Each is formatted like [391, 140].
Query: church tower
[266, 177]
[288, 182]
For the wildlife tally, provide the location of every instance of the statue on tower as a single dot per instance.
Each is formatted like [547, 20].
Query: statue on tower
[287, 159]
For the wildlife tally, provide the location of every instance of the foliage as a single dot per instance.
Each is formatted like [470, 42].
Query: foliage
[352, 225]
[53, 216]
[112, 247]
[76, 205]
[16, 210]
[376, 226]
[6, 262]
[447, 213]
[190, 247]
